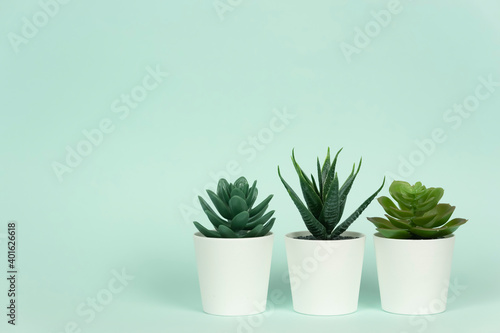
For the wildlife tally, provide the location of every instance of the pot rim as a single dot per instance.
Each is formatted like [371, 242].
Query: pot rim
[380, 236]
[356, 234]
[199, 235]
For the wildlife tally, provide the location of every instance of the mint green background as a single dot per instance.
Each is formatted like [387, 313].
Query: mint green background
[121, 207]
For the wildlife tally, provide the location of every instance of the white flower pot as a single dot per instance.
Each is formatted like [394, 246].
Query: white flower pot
[325, 275]
[413, 274]
[233, 273]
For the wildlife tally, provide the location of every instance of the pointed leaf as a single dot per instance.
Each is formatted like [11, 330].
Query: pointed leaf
[254, 232]
[312, 224]
[267, 227]
[311, 198]
[216, 220]
[262, 220]
[346, 188]
[344, 225]
[221, 206]
[331, 212]
[252, 195]
[262, 206]
[320, 177]
[329, 176]
[205, 232]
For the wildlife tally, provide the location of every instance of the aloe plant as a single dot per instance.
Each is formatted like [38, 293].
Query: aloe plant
[238, 216]
[324, 199]
[418, 215]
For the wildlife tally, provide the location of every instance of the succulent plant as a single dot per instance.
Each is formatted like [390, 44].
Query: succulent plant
[418, 213]
[238, 218]
[324, 200]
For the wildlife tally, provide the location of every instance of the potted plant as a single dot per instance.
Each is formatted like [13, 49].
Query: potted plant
[325, 262]
[234, 259]
[413, 248]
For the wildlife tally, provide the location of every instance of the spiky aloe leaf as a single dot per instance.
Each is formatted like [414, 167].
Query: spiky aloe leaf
[320, 176]
[312, 224]
[205, 232]
[395, 233]
[239, 221]
[267, 227]
[315, 187]
[262, 206]
[254, 232]
[226, 232]
[221, 206]
[252, 195]
[325, 169]
[251, 224]
[331, 211]
[344, 225]
[329, 176]
[237, 205]
[312, 200]
[346, 187]
[216, 220]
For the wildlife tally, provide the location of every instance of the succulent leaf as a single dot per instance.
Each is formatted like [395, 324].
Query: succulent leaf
[330, 212]
[234, 203]
[237, 205]
[262, 206]
[239, 221]
[344, 225]
[421, 215]
[251, 224]
[395, 233]
[226, 232]
[252, 195]
[325, 202]
[220, 205]
[205, 232]
[312, 224]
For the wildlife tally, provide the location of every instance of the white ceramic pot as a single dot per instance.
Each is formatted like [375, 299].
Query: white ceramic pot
[413, 274]
[325, 275]
[233, 273]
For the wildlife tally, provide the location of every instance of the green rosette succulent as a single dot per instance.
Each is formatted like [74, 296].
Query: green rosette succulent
[325, 200]
[237, 217]
[418, 213]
